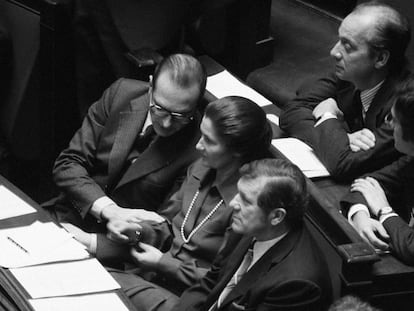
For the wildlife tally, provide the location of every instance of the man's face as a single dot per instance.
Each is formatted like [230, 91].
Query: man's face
[248, 218]
[167, 100]
[402, 145]
[354, 60]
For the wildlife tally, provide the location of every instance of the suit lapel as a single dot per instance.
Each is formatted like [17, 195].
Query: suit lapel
[272, 257]
[129, 126]
[160, 153]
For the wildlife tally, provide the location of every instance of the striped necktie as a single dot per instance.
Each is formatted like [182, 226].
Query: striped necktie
[245, 264]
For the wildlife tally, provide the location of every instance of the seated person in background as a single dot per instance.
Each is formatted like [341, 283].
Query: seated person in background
[234, 130]
[371, 213]
[342, 116]
[275, 264]
[133, 144]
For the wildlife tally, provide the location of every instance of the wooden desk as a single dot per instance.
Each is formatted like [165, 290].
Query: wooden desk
[353, 264]
[11, 296]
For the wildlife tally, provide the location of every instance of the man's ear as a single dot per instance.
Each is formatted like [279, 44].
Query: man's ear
[383, 57]
[277, 216]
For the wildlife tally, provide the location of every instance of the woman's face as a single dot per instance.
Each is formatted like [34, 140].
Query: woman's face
[213, 150]
[400, 143]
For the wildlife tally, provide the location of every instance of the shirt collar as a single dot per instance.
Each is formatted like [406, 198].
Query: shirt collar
[261, 247]
[368, 95]
[148, 122]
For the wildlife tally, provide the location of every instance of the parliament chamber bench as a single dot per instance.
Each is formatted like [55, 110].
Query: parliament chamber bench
[354, 266]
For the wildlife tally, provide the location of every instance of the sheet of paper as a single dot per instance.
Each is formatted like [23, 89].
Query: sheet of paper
[101, 302]
[302, 155]
[225, 84]
[66, 278]
[273, 118]
[36, 244]
[11, 205]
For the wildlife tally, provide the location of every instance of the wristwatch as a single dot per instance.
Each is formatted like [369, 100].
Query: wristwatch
[385, 211]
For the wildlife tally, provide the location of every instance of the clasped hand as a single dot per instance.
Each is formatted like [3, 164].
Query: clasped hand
[370, 229]
[327, 105]
[361, 140]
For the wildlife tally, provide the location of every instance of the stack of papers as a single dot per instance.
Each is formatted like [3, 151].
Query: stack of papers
[66, 278]
[101, 302]
[11, 205]
[302, 155]
[36, 244]
[225, 84]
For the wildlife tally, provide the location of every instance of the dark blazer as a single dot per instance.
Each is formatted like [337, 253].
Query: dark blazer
[94, 163]
[291, 275]
[329, 139]
[397, 180]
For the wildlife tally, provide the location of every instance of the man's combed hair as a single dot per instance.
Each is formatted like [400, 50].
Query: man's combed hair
[404, 108]
[285, 187]
[393, 32]
[184, 70]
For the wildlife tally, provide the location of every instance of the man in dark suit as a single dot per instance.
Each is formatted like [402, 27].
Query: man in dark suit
[381, 203]
[133, 144]
[271, 262]
[342, 115]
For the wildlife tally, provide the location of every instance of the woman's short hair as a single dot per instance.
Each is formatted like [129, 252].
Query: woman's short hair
[241, 125]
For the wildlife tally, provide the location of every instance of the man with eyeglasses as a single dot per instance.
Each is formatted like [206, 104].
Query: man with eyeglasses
[132, 145]
[342, 115]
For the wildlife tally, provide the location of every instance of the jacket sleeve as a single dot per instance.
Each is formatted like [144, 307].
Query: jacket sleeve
[402, 238]
[334, 152]
[297, 119]
[390, 178]
[73, 168]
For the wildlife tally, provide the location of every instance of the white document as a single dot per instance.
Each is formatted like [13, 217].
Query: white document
[36, 244]
[11, 205]
[302, 155]
[273, 118]
[225, 84]
[66, 278]
[93, 302]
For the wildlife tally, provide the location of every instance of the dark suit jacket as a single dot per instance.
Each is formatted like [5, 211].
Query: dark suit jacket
[397, 180]
[329, 139]
[93, 165]
[291, 275]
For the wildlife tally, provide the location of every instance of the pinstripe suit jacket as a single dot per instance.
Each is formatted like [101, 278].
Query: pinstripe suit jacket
[92, 166]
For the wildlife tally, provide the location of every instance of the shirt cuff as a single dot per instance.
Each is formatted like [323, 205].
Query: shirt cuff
[99, 205]
[325, 116]
[355, 209]
[385, 217]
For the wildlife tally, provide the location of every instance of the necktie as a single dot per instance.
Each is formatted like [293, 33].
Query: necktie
[145, 139]
[245, 264]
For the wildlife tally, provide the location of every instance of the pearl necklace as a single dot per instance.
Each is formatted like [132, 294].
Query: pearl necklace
[186, 240]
